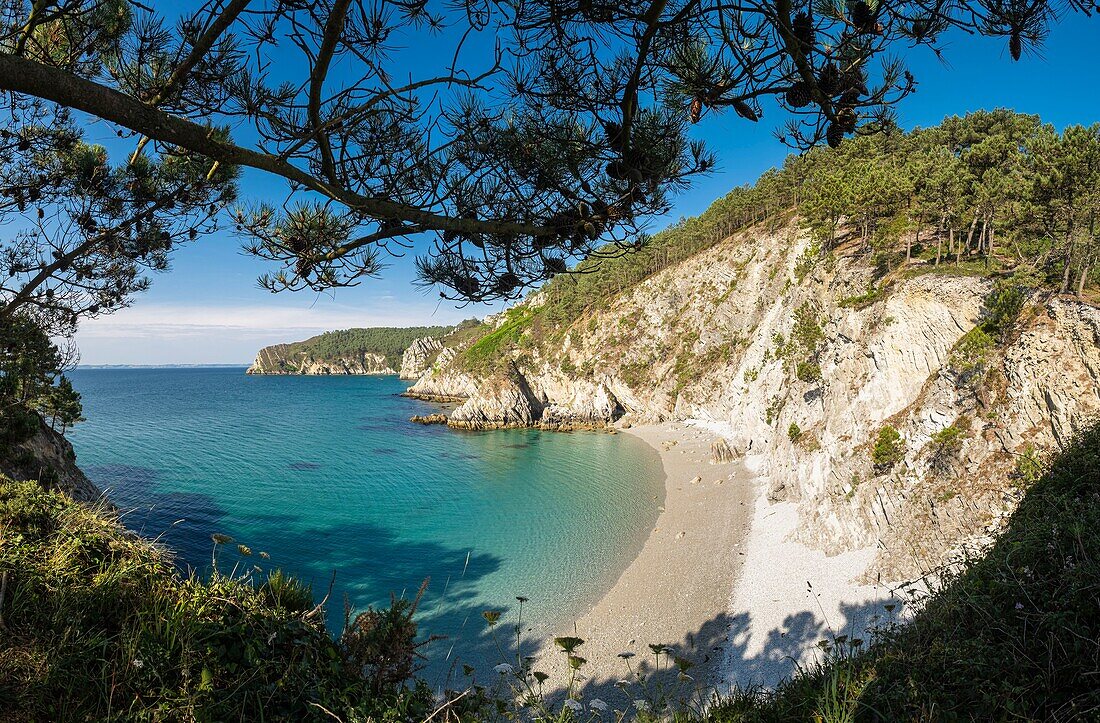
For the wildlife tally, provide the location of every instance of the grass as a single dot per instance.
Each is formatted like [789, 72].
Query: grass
[491, 350]
[99, 624]
[1014, 636]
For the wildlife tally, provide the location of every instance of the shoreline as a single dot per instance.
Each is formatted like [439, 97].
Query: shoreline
[676, 590]
[719, 581]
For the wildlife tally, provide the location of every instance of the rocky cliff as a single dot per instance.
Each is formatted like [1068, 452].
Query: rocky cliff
[49, 458]
[284, 359]
[811, 367]
[419, 357]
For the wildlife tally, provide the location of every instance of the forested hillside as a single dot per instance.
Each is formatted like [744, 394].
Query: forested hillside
[375, 350]
[390, 342]
[984, 193]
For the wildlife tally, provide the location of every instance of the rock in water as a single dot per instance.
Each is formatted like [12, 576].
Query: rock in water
[429, 419]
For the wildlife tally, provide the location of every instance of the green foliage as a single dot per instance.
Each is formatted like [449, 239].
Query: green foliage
[490, 351]
[390, 342]
[808, 371]
[1011, 637]
[888, 450]
[860, 301]
[99, 624]
[32, 383]
[969, 357]
[794, 432]
[945, 446]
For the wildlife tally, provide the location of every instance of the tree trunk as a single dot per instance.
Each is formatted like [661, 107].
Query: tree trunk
[1081, 280]
[970, 235]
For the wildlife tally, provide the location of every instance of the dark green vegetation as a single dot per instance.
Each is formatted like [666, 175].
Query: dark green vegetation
[98, 624]
[32, 385]
[390, 342]
[995, 193]
[1016, 636]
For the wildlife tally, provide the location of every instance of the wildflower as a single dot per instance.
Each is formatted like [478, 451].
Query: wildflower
[504, 669]
[568, 644]
[220, 539]
[576, 661]
[626, 655]
[540, 676]
[491, 617]
[621, 684]
[1019, 606]
[641, 705]
[597, 704]
[521, 598]
[574, 705]
[139, 664]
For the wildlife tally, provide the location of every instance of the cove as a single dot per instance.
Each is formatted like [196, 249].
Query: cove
[327, 476]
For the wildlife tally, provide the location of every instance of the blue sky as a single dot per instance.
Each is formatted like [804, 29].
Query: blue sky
[208, 308]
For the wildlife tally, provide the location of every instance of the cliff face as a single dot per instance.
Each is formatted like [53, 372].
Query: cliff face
[801, 368]
[419, 357]
[283, 359]
[49, 458]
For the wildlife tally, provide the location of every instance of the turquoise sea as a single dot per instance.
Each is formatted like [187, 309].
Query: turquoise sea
[328, 476]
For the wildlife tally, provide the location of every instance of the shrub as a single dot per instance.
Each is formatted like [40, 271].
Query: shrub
[794, 432]
[808, 371]
[945, 446]
[889, 449]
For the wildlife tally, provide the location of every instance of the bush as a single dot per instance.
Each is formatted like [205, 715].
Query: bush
[808, 371]
[794, 432]
[945, 445]
[889, 449]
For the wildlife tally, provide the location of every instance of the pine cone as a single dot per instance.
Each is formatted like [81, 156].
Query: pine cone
[798, 96]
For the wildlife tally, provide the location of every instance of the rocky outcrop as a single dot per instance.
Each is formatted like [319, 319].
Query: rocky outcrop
[419, 357]
[49, 458]
[786, 352]
[428, 419]
[282, 359]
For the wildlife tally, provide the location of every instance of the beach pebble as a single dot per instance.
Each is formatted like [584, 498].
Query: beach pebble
[719, 481]
[680, 535]
[696, 480]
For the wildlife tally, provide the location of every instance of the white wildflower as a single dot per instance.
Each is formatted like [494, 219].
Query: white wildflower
[139, 664]
[574, 705]
[597, 704]
[504, 669]
[641, 705]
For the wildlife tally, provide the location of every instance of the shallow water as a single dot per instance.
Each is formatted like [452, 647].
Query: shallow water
[327, 475]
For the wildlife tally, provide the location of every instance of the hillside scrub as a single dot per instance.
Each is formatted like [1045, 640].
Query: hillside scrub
[97, 623]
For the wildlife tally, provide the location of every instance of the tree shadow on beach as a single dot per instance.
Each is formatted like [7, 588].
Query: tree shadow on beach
[724, 654]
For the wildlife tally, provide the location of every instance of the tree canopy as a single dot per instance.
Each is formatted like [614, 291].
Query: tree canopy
[555, 143]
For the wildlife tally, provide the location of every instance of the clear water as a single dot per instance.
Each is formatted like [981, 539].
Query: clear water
[327, 475]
